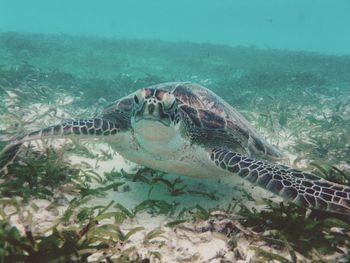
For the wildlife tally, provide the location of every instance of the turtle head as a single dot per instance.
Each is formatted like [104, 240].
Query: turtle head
[156, 105]
[156, 118]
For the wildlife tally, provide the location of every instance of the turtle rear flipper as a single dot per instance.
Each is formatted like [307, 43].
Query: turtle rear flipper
[301, 188]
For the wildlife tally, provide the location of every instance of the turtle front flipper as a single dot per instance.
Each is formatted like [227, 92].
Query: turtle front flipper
[301, 188]
[94, 127]
[86, 127]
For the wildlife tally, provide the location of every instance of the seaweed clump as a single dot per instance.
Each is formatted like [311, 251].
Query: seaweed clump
[37, 175]
[292, 228]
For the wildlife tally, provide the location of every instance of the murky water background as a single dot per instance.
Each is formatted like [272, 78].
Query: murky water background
[284, 65]
[292, 25]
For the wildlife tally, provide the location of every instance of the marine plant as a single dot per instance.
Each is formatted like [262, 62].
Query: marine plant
[298, 98]
[297, 230]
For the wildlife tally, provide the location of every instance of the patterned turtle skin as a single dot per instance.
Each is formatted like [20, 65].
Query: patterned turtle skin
[186, 129]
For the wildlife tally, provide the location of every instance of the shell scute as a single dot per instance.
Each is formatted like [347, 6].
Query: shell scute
[211, 120]
[192, 114]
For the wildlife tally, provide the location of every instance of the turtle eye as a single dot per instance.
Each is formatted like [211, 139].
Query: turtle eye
[139, 97]
[136, 99]
[168, 101]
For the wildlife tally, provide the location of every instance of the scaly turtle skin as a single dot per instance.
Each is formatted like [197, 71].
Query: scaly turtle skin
[186, 129]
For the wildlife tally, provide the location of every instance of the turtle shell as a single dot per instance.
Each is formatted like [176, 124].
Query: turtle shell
[213, 122]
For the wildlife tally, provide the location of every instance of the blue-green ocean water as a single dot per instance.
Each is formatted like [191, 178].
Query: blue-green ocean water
[284, 65]
[321, 26]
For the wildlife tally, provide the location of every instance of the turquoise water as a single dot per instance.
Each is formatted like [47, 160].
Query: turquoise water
[320, 26]
[284, 65]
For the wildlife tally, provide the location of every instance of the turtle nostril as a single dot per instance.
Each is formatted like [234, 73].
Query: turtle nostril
[151, 108]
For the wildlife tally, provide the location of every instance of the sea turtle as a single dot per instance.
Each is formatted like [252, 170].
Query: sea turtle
[187, 129]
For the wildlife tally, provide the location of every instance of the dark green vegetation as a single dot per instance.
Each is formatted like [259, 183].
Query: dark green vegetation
[293, 229]
[299, 101]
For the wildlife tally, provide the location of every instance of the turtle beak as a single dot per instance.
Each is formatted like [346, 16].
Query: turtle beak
[151, 108]
[153, 111]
